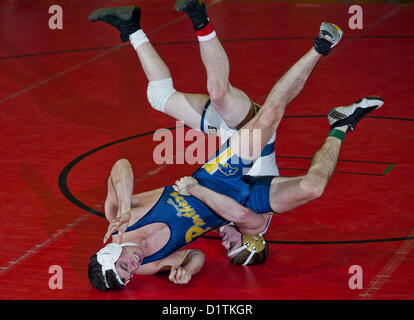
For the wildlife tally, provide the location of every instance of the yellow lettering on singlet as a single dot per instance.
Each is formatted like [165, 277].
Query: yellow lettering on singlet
[186, 210]
[182, 203]
[197, 220]
[194, 232]
[212, 165]
[188, 214]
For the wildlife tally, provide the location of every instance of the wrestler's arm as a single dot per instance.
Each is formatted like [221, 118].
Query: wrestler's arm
[119, 200]
[182, 265]
[221, 204]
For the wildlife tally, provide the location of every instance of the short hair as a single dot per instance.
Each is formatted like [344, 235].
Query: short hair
[97, 279]
[258, 257]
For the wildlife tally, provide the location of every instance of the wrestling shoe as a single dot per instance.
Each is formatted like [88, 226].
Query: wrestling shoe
[125, 19]
[329, 36]
[350, 115]
[196, 11]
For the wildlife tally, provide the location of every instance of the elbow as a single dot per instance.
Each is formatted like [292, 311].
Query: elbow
[120, 167]
[198, 258]
[122, 163]
[243, 215]
[200, 255]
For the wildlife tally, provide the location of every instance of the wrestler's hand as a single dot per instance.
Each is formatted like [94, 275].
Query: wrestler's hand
[183, 184]
[231, 237]
[179, 275]
[119, 224]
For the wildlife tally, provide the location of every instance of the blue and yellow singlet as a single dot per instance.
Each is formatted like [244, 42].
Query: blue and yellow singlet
[188, 218]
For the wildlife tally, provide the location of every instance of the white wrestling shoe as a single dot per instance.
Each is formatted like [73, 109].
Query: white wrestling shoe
[329, 36]
[352, 114]
[331, 32]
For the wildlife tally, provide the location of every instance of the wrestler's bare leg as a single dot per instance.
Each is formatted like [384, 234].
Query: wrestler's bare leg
[289, 193]
[231, 103]
[285, 90]
[186, 107]
[272, 111]
[244, 142]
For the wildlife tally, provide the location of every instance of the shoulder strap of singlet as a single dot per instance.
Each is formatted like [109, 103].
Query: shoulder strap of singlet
[148, 218]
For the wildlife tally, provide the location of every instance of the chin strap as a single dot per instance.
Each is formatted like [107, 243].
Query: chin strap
[232, 253]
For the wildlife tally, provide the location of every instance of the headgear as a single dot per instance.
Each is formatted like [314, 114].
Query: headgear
[253, 244]
[107, 257]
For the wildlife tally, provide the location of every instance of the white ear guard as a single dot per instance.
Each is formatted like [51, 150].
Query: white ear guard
[107, 257]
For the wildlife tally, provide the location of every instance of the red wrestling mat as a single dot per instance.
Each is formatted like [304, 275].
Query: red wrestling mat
[71, 97]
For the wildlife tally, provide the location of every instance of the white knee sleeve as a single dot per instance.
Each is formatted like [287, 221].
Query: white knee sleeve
[158, 93]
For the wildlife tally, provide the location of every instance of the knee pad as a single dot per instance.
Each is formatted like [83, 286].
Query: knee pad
[158, 93]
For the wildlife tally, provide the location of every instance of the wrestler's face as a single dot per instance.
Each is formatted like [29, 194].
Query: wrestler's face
[231, 238]
[129, 261]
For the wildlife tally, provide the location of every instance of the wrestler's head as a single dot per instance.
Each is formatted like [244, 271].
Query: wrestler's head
[113, 266]
[244, 249]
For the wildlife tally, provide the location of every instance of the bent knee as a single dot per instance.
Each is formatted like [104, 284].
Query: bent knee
[267, 117]
[313, 186]
[218, 90]
[158, 93]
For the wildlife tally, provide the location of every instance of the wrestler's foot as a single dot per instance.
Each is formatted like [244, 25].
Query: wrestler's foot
[125, 19]
[196, 10]
[330, 32]
[188, 5]
[329, 36]
[350, 115]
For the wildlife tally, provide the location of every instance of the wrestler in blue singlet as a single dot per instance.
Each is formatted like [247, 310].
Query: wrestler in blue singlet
[188, 218]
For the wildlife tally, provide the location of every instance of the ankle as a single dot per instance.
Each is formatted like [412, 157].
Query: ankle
[322, 46]
[138, 38]
[338, 133]
[206, 33]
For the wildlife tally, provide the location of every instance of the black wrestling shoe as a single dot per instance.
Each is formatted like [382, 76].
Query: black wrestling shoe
[350, 115]
[125, 19]
[196, 11]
